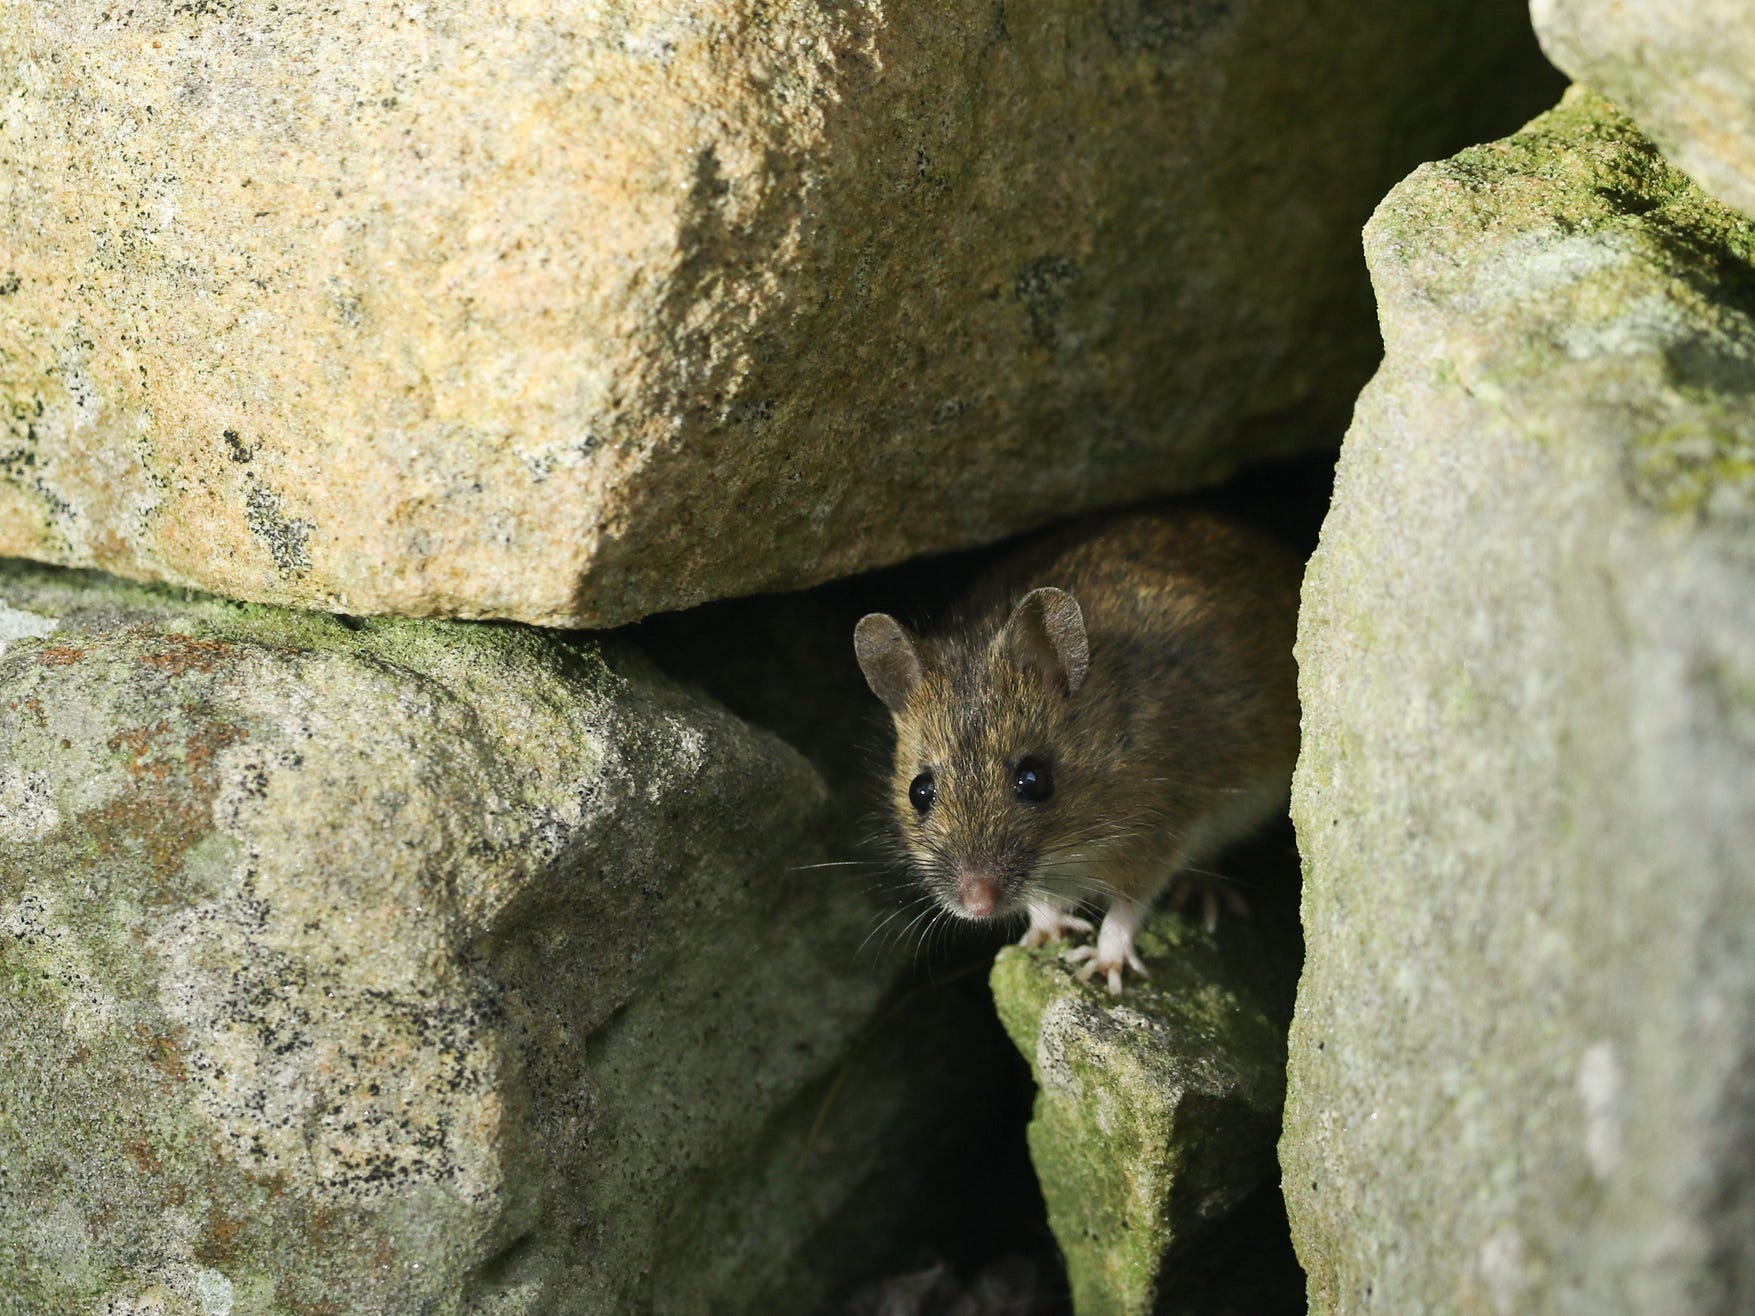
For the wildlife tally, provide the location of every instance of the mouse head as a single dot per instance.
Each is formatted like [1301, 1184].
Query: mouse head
[983, 785]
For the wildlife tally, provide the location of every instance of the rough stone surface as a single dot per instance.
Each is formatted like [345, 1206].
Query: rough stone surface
[1156, 1113]
[1522, 1072]
[1684, 69]
[398, 966]
[572, 313]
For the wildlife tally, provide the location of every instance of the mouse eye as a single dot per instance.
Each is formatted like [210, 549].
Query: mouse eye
[922, 792]
[1034, 780]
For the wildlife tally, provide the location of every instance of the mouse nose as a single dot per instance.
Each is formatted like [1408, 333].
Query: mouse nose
[978, 891]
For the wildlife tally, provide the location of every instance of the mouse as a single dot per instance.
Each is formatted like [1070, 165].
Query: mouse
[1106, 708]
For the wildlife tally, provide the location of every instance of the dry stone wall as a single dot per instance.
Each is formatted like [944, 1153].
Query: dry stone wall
[389, 962]
[1156, 1115]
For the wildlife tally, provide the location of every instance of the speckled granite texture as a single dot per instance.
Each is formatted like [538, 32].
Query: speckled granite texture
[399, 966]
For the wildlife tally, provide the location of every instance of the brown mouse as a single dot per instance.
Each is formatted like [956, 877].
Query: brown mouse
[1117, 703]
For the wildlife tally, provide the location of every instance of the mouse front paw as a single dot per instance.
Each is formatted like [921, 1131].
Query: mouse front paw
[1050, 923]
[1095, 962]
[1214, 893]
[1113, 951]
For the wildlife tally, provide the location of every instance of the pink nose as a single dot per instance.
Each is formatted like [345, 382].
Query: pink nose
[979, 893]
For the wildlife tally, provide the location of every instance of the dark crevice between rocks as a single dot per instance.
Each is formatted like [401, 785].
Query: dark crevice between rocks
[504, 1272]
[971, 1234]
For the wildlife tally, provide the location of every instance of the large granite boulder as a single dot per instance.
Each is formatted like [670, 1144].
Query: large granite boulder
[1522, 1073]
[391, 966]
[575, 313]
[1156, 1115]
[1684, 69]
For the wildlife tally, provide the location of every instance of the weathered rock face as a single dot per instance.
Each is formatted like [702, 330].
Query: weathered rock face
[406, 966]
[1156, 1113]
[1685, 69]
[1522, 1069]
[575, 313]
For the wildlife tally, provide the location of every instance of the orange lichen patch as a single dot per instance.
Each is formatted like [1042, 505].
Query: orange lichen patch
[180, 654]
[384, 1255]
[277, 1183]
[168, 807]
[320, 1223]
[219, 1241]
[163, 1053]
[138, 745]
[61, 655]
[141, 1153]
[35, 707]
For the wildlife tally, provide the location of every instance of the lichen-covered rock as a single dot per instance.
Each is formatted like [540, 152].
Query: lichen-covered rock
[1684, 69]
[397, 966]
[1522, 1073]
[573, 313]
[1156, 1113]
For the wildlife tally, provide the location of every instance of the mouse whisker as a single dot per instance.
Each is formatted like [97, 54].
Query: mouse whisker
[930, 911]
[876, 931]
[1217, 877]
[891, 882]
[1076, 880]
[923, 944]
[1083, 844]
[1094, 894]
[917, 901]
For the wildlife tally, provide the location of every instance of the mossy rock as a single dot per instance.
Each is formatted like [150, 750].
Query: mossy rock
[393, 966]
[1156, 1112]
[1520, 1068]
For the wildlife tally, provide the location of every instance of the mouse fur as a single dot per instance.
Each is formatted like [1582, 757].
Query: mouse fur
[1110, 705]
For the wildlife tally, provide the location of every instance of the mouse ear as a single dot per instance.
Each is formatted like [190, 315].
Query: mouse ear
[1047, 632]
[888, 658]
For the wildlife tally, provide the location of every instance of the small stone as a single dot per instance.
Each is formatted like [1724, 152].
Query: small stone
[1156, 1112]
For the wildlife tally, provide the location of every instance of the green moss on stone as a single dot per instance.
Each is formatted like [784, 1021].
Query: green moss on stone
[1155, 1112]
[1518, 656]
[340, 961]
[1689, 466]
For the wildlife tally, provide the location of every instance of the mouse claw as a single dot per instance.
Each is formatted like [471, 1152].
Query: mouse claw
[1048, 925]
[1093, 964]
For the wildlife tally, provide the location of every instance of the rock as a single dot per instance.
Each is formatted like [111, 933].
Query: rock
[395, 966]
[1156, 1113]
[1522, 1073]
[1684, 69]
[575, 315]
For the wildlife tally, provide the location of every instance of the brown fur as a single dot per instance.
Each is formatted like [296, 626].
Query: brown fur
[1180, 738]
